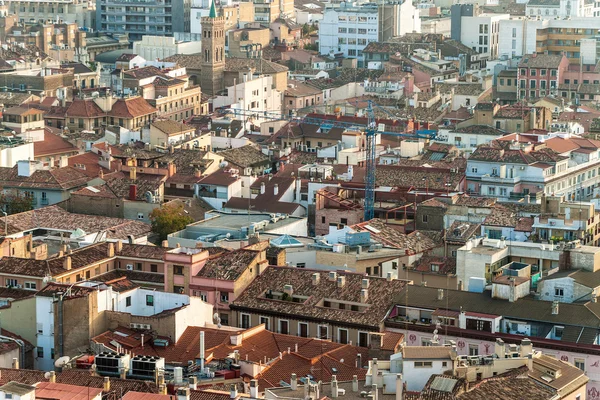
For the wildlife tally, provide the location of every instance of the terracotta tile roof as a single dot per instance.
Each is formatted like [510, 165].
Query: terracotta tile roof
[142, 73]
[444, 265]
[21, 111]
[417, 177]
[513, 388]
[121, 186]
[413, 243]
[51, 145]
[62, 391]
[153, 279]
[257, 64]
[219, 178]
[131, 107]
[66, 178]
[433, 203]
[499, 151]
[89, 161]
[541, 60]
[245, 156]
[506, 217]
[228, 266]
[171, 127]
[274, 278]
[461, 231]
[426, 352]
[275, 206]
[54, 217]
[121, 284]
[466, 200]
[86, 108]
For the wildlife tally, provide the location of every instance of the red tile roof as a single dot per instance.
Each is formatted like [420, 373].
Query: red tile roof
[53, 145]
[66, 178]
[89, 161]
[86, 108]
[132, 107]
[62, 391]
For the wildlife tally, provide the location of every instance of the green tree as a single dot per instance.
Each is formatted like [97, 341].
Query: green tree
[305, 30]
[168, 219]
[14, 202]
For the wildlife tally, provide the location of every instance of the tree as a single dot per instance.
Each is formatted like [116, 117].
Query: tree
[14, 202]
[305, 30]
[168, 219]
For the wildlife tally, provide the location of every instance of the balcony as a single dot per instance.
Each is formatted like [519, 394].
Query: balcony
[498, 179]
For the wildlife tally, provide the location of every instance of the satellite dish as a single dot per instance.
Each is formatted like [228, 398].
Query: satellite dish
[47, 375]
[47, 279]
[61, 362]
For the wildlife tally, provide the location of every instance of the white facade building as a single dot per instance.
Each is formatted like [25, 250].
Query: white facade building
[161, 47]
[348, 29]
[481, 33]
[560, 8]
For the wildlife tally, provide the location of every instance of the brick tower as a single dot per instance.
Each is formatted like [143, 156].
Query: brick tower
[213, 53]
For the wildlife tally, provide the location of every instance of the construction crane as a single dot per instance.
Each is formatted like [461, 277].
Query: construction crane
[371, 131]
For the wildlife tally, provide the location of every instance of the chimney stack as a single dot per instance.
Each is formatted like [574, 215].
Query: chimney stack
[233, 391]
[133, 173]
[106, 384]
[555, 307]
[276, 189]
[254, 389]
[262, 188]
[162, 389]
[364, 295]
[294, 382]
[341, 281]
[316, 278]
[193, 382]
[365, 283]
[111, 250]
[355, 383]
[133, 192]
[374, 371]
[118, 246]
[334, 387]
[52, 378]
[67, 263]
[440, 294]
[289, 290]
[399, 387]
[15, 363]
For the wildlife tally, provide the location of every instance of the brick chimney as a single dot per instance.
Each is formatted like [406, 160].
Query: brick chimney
[67, 263]
[133, 192]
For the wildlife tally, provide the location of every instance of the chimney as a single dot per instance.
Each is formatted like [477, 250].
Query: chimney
[375, 392]
[289, 290]
[350, 173]
[555, 307]
[294, 382]
[233, 391]
[364, 295]
[341, 281]
[399, 387]
[15, 363]
[358, 360]
[365, 283]
[197, 173]
[440, 294]
[276, 189]
[165, 243]
[499, 348]
[111, 250]
[526, 347]
[254, 389]
[142, 340]
[100, 173]
[118, 246]
[52, 378]
[67, 263]
[374, 371]
[123, 372]
[133, 173]
[106, 384]
[262, 188]
[132, 192]
[193, 382]
[316, 278]
[355, 383]
[334, 387]
[162, 389]
[332, 276]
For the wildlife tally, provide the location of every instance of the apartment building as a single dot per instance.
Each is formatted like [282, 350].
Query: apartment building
[524, 35]
[143, 18]
[310, 303]
[79, 12]
[564, 167]
[349, 29]
[539, 75]
[542, 9]
[482, 33]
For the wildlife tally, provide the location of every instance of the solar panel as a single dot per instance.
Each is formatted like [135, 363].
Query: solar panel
[442, 384]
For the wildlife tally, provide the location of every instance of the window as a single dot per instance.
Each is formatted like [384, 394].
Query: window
[474, 170]
[394, 265]
[424, 218]
[224, 318]
[265, 321]
[284, 326]
[128, 301]
[40, 352]
[323, 332]
[138, 266]
[302, 329]
[343, 336]
[31, 285]
[423, 364]
[473, 350]
[323, 220]
[300, 265]
[150, 300]
[558, 331]
[435, 268]
[580, 363]
[178, 269]
[363, 339]
[491, 191]
[559, 292]
[11, 282]
[245, 321]
[153, 268]
[344, 221]
[224, 297]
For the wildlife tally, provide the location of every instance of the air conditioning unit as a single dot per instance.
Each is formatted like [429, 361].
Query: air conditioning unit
[132, 325]
[146, 326]
[129, 267]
